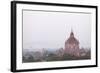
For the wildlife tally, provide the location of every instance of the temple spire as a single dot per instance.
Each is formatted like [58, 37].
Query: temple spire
[71, 34]
[71, 29]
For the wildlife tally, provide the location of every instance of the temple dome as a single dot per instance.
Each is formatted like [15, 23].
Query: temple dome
[72, 39]
[72, 46]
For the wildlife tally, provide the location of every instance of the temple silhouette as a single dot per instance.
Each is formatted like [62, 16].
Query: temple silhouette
[72, 46]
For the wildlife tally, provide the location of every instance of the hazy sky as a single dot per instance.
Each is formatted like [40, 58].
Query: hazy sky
[51, 29]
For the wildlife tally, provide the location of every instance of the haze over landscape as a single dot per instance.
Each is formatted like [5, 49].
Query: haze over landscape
[52, 29]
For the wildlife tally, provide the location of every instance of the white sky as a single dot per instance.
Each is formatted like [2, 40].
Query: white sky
[51, 29]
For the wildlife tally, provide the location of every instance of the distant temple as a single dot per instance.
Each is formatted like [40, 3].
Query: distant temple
[72, 46]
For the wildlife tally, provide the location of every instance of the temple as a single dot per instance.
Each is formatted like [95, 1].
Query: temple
[72, 46]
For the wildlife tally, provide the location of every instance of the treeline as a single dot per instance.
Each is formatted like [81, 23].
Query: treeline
[53, 57]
